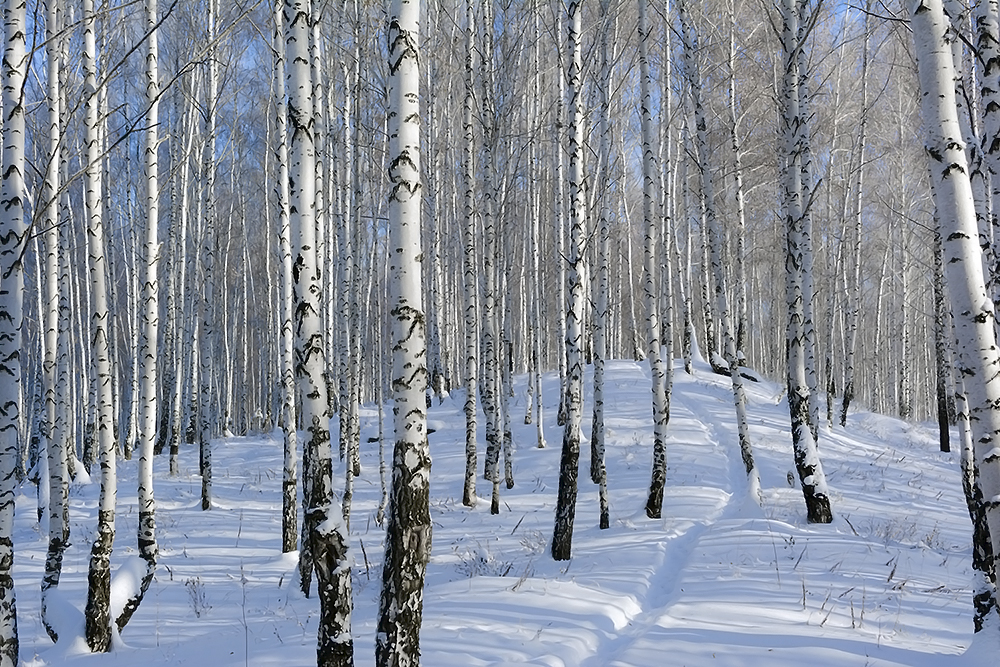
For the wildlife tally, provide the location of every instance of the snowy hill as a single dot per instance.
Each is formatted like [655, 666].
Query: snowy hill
[717, 581]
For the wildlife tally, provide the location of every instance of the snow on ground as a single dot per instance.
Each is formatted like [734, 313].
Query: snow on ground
[717, 581]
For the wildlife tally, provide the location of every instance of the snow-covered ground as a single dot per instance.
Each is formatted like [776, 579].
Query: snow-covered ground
[717, 581]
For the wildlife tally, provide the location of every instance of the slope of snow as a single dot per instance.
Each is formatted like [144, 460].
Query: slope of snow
[717, 581]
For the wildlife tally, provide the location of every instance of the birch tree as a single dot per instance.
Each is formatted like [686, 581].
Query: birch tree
[328, 542]
[651, 262]
[408, 533]
[13, 231]
[58, 519]
[854, 303]
[469, 269]
[806, 455]
[98, 625]
[562, 536]
[207, 334]
[289, 486]
[598, 470]
[149, 337]
[972, 309]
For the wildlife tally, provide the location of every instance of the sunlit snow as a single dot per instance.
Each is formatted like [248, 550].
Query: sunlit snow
[717, 581]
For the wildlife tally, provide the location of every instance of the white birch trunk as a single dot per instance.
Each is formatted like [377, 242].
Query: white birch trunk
[806, 455]
[408, 534]
[987, 25]
[469, 267]
[598, 470]
[322, 527]
[289, 485]
[491, 373]
[58, 526]
[972, 308]
[149, 340]
[206, 413]
[13, 232]
[854, 304]
[661, 407]
[98, 610]
[562, 536]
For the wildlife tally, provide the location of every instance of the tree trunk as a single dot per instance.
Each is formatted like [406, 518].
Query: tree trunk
[13, 232]
[806, 455]
[598, 470]
[471, 282]
[206, 401]
[562, 536]
[972, 310]
[716, 239]
[328, 541]
[408, 535]
[661, 407]
[289, 485]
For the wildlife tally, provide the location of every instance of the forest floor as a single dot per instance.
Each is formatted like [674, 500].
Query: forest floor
[717, 581]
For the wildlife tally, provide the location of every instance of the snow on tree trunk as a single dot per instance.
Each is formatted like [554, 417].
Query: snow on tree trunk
[972, 308]
[323, 528]
[562, 536]
[806, 455]
[13, 232]
[408, 534]
[661, 408]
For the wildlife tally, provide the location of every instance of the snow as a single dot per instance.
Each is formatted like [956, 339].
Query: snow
[717, 581]
[126, 583]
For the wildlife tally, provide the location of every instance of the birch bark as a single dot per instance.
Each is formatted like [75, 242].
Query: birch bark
[408, 534]
[13, 232]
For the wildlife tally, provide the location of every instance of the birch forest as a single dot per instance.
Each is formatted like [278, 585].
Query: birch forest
[232, 217]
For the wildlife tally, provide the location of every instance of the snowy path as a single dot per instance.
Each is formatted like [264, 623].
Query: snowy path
[691, 442]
